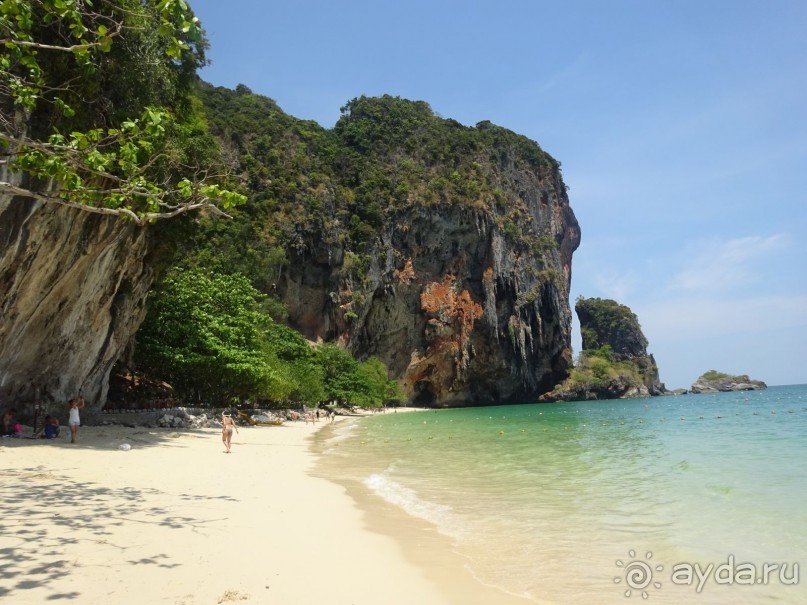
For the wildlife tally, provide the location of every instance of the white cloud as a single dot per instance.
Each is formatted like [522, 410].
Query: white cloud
[729, 264]
[693, 319]
[571, 71]
[618, 285]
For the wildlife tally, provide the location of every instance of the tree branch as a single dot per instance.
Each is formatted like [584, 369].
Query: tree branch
[140, 220]
[67, 49]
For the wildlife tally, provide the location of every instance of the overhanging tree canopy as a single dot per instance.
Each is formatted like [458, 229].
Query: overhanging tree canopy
[88, 95]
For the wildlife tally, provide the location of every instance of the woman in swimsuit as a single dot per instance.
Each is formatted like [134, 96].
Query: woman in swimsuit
[227, 428]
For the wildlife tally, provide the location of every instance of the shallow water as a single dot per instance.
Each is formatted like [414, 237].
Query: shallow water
[584, 502]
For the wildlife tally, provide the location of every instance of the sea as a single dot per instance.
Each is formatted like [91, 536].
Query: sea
[679, 499]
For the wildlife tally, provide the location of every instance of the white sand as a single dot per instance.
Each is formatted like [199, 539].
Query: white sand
[175, 520]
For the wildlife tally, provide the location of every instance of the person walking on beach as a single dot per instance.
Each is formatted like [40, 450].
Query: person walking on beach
[74, 421]
[227, 428]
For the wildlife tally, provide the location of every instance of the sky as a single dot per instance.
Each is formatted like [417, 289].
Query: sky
[681, 127]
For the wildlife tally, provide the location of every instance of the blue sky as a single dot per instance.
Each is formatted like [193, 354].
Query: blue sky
[681, 127]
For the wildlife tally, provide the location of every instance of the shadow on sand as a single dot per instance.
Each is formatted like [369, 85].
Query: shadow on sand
[45, 516]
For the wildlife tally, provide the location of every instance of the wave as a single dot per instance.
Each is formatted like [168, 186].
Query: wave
[341, 431]
[406, 498]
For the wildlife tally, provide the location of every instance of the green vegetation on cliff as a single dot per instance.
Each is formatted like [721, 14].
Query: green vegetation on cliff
[208, 336]
[597, 368]
[344, 186]
[715, 375]
[606, 322]
[323, 204]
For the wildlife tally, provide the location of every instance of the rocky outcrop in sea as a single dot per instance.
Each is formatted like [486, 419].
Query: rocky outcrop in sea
[614, 363]
[715, 382]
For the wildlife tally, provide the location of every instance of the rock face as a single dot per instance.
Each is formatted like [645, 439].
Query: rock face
[614, 362]
[606, 322]
[442, 249]
[72, 292]
[461, 287]
[454, 307]
[713, 382]
[445, 250]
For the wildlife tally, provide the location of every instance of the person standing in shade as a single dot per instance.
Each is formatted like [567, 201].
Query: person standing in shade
[227, 428]
[74, 421]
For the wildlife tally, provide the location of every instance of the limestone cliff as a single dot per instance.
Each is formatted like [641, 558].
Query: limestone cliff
[443, 249]
[614, 362]
[455, 266]
[72, 292]
[95, 110]
[456, 309]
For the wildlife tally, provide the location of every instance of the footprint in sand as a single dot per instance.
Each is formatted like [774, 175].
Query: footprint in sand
[232, 595]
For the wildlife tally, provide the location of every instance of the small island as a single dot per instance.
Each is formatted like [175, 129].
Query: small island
[614, 362]
[714, 381]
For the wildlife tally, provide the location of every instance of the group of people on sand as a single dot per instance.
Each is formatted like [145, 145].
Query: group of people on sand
[314, 416]
[50, 428]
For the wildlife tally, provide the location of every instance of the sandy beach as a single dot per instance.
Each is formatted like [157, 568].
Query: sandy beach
[176, 520]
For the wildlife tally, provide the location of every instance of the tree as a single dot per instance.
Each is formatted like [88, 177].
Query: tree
[382, 389]
[346, 380]
[343, 380]
[206, 336]
[297, 361]
[87, 93]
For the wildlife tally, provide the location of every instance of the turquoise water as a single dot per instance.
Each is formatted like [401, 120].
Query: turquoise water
[565, 503]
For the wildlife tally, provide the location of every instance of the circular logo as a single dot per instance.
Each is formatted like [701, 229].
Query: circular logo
[638, 574]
